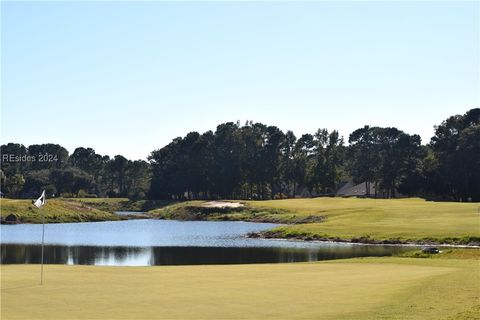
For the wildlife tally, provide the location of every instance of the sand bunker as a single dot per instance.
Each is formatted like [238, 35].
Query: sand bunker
[222, 204]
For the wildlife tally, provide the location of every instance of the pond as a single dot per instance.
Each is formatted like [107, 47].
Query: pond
[165, 242]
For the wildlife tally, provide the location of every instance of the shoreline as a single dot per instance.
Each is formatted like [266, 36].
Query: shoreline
[269, 235]
[344, 241]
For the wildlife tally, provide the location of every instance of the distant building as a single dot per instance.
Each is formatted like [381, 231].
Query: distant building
[346, 189]
[349, 189]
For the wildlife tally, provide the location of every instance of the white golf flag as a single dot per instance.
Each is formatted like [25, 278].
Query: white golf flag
[40, 201]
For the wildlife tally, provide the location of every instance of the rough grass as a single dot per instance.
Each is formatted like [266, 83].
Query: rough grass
[121, 204]
[56, 211]
[194, 210]
[370, 220]
[368, 288]
[75, 209]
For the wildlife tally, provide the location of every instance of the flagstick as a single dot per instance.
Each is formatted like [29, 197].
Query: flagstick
[39, 204]
[43, 243]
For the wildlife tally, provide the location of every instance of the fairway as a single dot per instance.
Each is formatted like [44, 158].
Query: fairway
[382, 219]
[372, 288]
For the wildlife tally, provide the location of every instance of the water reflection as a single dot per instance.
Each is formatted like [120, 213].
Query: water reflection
[147, 256]
[159, 242]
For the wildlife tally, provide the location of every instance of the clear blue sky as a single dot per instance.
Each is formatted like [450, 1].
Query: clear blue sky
[126, 78]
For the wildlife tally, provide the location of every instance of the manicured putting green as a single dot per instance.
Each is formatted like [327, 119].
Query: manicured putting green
[371, 288]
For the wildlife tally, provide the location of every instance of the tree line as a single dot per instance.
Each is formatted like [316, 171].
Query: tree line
[257, 161]
[84, 173]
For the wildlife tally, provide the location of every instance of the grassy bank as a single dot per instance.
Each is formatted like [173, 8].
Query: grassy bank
[74, 209]
[371, 220]
[368, 288]
[121, 204]
[56, 211]
[195, 210]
